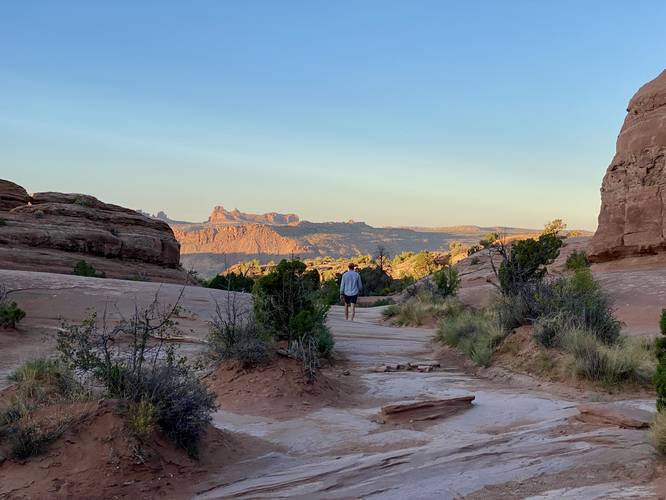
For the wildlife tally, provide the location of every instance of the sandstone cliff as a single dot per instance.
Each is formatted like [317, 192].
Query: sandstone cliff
[633, 193]
[52, 231]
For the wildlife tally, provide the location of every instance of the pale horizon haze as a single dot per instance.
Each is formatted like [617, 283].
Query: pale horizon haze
[427, 113]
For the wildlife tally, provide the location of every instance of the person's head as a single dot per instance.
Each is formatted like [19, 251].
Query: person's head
[351, 266]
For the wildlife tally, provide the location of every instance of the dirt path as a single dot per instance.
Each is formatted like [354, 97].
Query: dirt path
[512, 443]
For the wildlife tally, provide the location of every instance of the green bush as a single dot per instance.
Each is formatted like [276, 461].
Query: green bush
[3, 222]
[232, 282]
[375, 280]
[583, 302]
[524, 263]
[82, 268]
[447, 281]
[660, 375]
[577, 260]
[548, 329]
[658, 432]
[143, 417]
[10, 314]
[282, 294]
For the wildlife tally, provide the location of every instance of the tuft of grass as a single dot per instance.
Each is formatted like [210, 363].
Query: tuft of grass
[658, 432]
[577, 260]
[37, 376]
[626, 361]
[143, 417]
[421, 308]
[477, 334]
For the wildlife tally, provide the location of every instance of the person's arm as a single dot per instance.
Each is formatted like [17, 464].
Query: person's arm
[342, 284]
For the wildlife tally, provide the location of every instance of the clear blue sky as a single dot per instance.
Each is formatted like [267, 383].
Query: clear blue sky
[412, 112]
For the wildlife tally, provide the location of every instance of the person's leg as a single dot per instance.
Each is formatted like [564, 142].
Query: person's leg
[346, 309]
[353, 308]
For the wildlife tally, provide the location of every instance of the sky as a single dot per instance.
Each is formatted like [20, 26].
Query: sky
[426, 113]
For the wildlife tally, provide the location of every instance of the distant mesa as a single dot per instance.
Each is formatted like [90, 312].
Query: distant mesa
[632, 220]
[220, 215]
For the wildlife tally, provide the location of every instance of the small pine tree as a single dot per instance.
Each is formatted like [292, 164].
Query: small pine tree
[660, 375]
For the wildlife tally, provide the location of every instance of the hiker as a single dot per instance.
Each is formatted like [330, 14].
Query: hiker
[350, 287]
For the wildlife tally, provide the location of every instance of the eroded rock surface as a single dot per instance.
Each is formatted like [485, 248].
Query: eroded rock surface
[52, 231]
[631, 221]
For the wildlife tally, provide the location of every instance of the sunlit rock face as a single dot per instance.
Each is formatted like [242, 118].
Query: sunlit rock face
[631, 220]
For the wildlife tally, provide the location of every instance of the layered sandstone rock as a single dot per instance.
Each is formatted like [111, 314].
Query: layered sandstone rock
[11, 195]
[633, 193]
[64, 228]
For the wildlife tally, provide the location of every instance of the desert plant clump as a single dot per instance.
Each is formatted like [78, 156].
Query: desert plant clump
[3, 222]
[83, 268]
[134, 362]
[577, 260]
[660, 375]
[288, 306]
[475, 333]
[235, 282]
[658, 432]
[447, 281]
[235, 335]
[10, 312]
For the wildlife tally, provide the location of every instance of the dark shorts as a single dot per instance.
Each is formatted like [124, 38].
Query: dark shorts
[350, 299]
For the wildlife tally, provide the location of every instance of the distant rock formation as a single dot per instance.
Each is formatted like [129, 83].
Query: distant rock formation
[61, 229]
[222, 216]
[633, 194]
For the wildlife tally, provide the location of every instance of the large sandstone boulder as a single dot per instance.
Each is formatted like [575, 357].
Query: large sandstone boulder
[633, 193]
[11, 195]
[58, 225]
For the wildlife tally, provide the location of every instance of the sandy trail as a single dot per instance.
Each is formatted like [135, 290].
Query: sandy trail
[513, 442]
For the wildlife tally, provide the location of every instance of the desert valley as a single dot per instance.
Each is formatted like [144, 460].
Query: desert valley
[443, 275]
[144, 357]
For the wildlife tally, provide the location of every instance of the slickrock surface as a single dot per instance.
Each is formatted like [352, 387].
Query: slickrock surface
[631, 221]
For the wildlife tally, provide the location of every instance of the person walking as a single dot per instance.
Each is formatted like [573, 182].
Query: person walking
[350, 286]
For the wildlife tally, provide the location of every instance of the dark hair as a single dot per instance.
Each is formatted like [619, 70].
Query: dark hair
[351, 265]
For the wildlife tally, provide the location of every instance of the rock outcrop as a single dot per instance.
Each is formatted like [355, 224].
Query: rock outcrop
[220, 215]
[11, 195]
[59, 229]
[633, 194]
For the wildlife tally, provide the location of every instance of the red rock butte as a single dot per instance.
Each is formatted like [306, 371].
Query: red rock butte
[633, 193]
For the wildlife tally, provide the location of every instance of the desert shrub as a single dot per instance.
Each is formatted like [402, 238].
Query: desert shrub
[83, 268]
[474, 249]
[424, 265]
[474, 333]
[626, 361]
[235, 335]
[10, 314]
[134, 362]
[375, 280]
[577, 260]
[29, 441]
[3, 222]
[83, 201]
[282, 294]
[549, 328]
[658, 432]
[489, 239]
[457, 250]
[330, 290]
[474, 261]
[143, 417]
[511, 311]
[581, 300]
[234, 282]
[660, 375]
[447, 281]
[524, 262]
